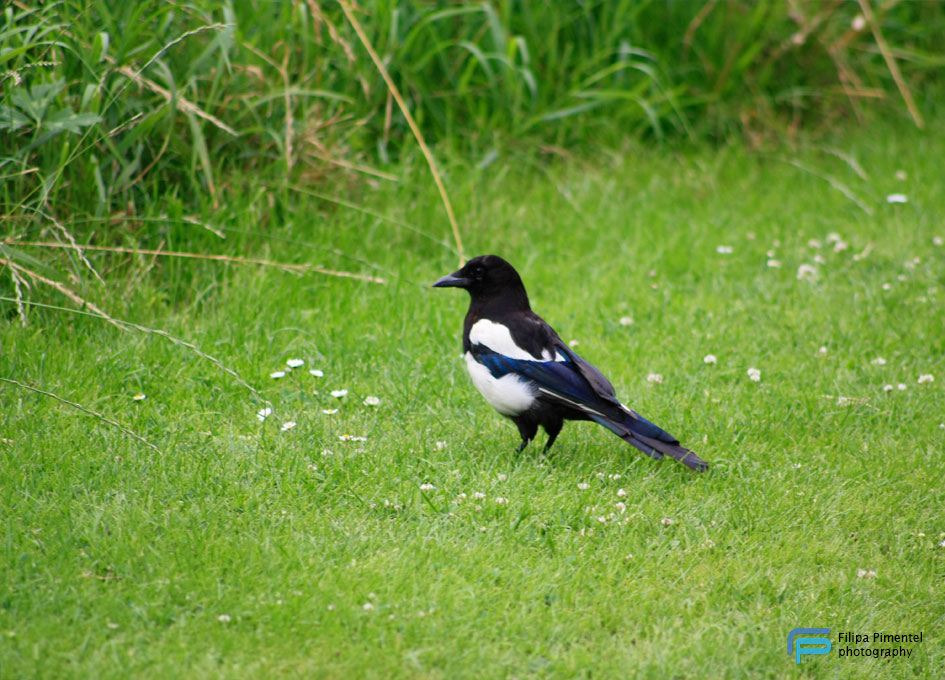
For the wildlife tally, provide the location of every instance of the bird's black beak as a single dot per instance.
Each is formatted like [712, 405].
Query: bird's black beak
[453, 280]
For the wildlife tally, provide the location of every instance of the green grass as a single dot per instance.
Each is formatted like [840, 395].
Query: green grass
[119, 561]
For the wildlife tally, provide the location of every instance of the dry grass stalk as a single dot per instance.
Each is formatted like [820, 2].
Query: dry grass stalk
[392, 88]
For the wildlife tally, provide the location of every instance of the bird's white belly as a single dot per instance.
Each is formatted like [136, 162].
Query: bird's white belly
[510, 395]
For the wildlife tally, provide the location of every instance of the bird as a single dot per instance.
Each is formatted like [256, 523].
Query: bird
[529, 375]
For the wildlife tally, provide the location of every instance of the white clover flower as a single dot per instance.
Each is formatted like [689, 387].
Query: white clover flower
[275, 375]
[823, 350]
[666, 521]
[709, 359]
[937, 241]
[626, 321]
[139, 397]
[327, 452]
[224, 618]
[878, 361]
[886, 286]
[833, 237]
[819, 260]
[583, 486]
[368, 606]
[621, 493]
[901, 386]
[316, 372]
[501, 501]
[502, 477]
[839, 246]
[897, 198]
[814, 243]
[329, 411]
[427, 487]
[478, 495]
[440, 446]
[294, 363]
[887, 388]
[774, 264]
[754, 374]
[288, 425]
[372, 401]
[865, 573]
[263, 413]
[461, 497]
[339, 394]
[655, 378]
[926, 378]
[621, 506]
[724, 250]
[806, 271]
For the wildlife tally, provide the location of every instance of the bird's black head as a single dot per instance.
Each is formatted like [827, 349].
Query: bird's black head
[487, 278]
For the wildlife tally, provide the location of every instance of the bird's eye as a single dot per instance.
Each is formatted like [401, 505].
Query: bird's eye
[479, 272]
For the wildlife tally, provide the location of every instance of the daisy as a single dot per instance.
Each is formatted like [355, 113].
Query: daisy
[329, 411]
[654, 378]
[371, 401]
[317, 373]
[897, 198]
[275, 375]
[339, 394]
[139, 397]
[754, 375]
[806, 271]
[709, 359]
[774, 264]
[263, 413]
[295, 363]
[427, 487]
[724, 250]
[288, 425]
[926, 378]
[878, 361]
[583, 486]
[501, 501]
[626, 321]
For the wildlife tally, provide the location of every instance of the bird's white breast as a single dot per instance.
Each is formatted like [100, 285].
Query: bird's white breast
[510, 395]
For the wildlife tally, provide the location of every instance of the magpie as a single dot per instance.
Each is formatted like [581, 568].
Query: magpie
[529, 375]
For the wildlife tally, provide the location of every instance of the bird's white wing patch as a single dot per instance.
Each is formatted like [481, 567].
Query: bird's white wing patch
[510, 395]
[498, 338]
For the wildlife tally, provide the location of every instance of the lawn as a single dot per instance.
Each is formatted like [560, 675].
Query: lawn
[238, 548]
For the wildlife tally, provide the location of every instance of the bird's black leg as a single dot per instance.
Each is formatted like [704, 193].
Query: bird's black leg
[527, 429]
[553, 429]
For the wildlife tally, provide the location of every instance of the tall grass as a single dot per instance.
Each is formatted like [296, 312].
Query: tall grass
[119, 120]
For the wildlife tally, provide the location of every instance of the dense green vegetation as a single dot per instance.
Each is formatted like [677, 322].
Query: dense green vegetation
[672, 180]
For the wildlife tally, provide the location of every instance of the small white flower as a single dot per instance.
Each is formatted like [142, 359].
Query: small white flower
[901, 386]
[878, 361]
[275, 375]
[774, 264]
[616, 475]
[886, 286]
[574, 343]
[626, 321]
[288, 425]
[865, 573]
[724, 250]
[294, 363]
[329, 411]
[937, 241]
[461, 496]
[655, 378]
[709, 359]
[858, 24]
[887, 388]
[313, 467]
[478, 495]
[770, 253]
[840, 245]
[583, 486]
[897, 198]
[339, 394]
[368, 606]
[814, 243]
[327, 452]
[926, 377]
[819, 259]
[372, 401]
[806, 271]
[139, 397]
[666, 521]
[112, 625]
[833, 237]
[502, 477]
[823, 350]
[224, 618]
[501, 501]
[316, 372]
[621, 506]
[754, 374]
[427, 487]
[621, 493]
[263, 413]
[440, 446]
[797, 466]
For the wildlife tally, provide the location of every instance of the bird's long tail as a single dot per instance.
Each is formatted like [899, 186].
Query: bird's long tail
[652, 440]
